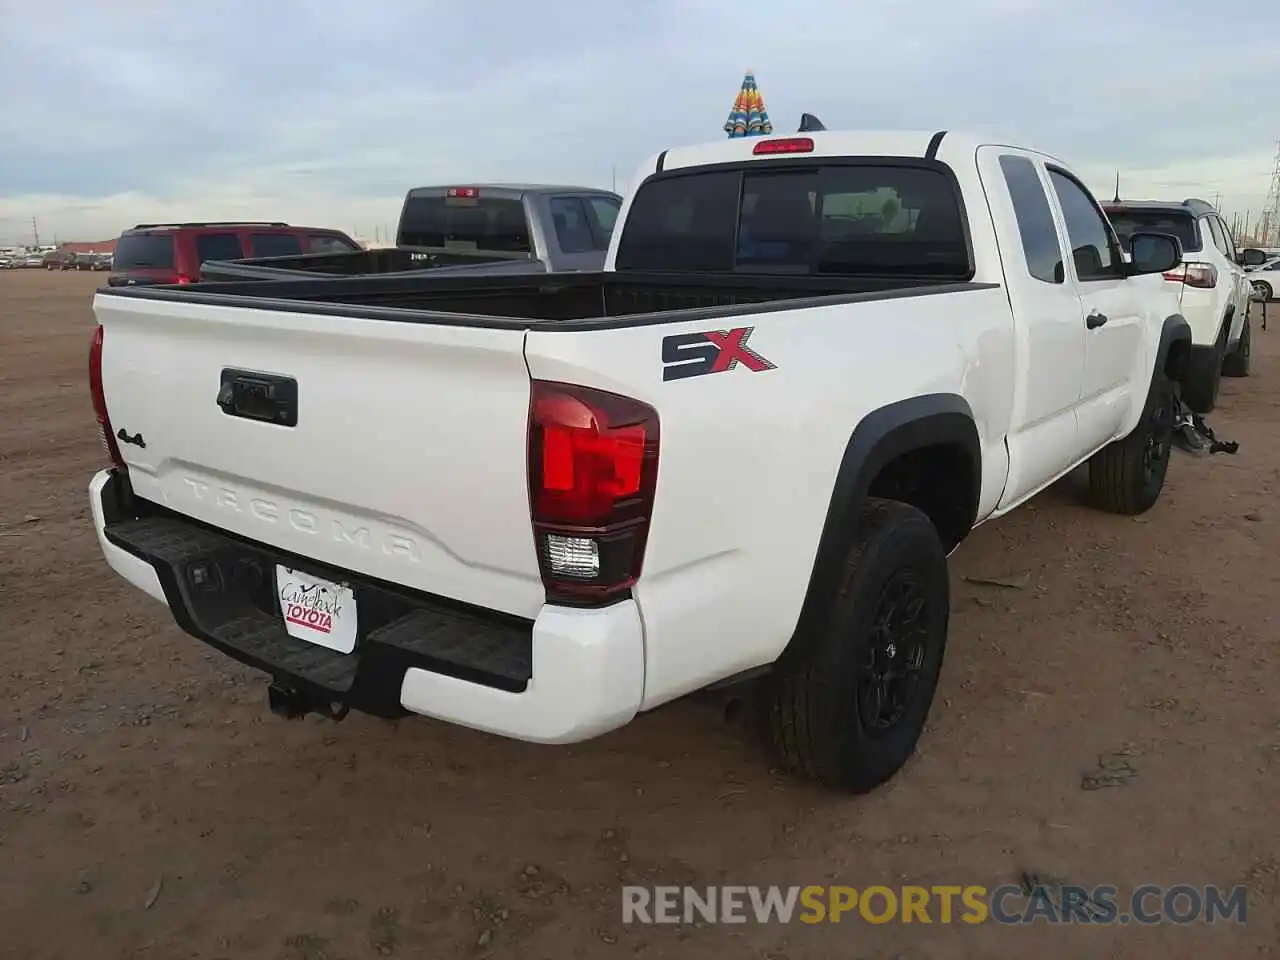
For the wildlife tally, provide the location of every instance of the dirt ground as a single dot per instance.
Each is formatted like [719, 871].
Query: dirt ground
[151, 807]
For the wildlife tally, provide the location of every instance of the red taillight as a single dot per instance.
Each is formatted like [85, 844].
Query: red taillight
[466, 193]
[787, 145]
[183, 278]
[593, 470]
[100, 402]
[1202, 275]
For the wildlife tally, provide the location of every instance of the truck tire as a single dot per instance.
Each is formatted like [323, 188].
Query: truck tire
[847, 702]
[1237, 362]
[1127, 475]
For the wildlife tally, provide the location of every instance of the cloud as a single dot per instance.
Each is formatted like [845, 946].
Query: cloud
[114, 113]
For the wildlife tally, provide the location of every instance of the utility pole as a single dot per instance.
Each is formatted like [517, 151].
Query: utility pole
[35, 230]
[1271, 217]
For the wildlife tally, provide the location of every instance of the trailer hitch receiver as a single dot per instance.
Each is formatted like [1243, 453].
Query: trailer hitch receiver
[294, 704]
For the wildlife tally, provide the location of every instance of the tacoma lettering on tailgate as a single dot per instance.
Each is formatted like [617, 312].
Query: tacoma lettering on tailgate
[348, 532]
[709, 351]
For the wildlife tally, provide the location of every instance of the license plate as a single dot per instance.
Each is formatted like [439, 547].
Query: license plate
[317, 610]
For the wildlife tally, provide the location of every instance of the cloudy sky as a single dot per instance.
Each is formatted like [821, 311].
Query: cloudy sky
[326, 112]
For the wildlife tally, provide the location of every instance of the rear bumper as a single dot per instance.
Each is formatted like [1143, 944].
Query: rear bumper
[567, 676]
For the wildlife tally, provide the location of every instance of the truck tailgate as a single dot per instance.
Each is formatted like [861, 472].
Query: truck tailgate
[406, 461]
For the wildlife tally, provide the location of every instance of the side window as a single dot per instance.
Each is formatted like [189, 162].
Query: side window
[1093, 248]
[1230, 248]
[275, 244]
[1215, 229]
[605, 212]
[573, 232]
[218, 246]
[1040, 244]
[328, 243]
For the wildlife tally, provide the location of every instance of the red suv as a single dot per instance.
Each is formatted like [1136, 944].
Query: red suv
[153, 253]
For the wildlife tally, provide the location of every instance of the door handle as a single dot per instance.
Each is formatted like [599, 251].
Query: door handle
[259, 396]
[1094, 320]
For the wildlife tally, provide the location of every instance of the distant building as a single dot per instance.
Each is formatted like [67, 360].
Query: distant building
[97, 246]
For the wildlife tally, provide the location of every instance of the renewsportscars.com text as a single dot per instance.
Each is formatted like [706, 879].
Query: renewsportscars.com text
[1010, 904]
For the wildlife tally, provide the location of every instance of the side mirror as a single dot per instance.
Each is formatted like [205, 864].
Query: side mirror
[1252, 257]
[1154, 253]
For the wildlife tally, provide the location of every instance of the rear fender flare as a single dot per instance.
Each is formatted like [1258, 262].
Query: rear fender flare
[1175, 330]
[878, 439]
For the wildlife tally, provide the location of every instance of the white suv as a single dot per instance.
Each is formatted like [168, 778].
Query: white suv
[1213, 288]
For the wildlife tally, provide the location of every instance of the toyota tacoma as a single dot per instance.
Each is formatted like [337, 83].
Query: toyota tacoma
[541, 505]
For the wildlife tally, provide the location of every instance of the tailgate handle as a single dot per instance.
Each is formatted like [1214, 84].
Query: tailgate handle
[259, 396]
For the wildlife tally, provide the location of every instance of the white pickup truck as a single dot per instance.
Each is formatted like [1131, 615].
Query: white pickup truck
[538, 506]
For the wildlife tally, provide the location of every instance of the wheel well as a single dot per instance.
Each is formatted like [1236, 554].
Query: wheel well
[939, 479]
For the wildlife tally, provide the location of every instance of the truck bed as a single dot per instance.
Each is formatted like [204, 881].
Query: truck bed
[359, 263]
[585, 300]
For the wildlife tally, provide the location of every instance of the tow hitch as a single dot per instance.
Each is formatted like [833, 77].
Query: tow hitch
[1195, 436]
[294, 704]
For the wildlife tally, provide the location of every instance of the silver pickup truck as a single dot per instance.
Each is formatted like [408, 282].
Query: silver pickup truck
[484, 228]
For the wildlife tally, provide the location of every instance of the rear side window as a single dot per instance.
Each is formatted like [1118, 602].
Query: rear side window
[329, 243]
[846, 219]
[144, 251]
[1219, 232]
[1040, 244]
[573, 230]
[218, 246]
[605, 210]
[1128, 220]
[496, 224]
[275, 244]
[1230, 248]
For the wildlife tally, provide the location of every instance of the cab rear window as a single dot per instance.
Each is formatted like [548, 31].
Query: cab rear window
[857, 219]
[1127, 222]
[472, 222]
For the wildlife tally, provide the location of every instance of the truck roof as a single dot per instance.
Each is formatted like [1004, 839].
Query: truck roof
[514, 189]
[1189, 205]
[841, 143]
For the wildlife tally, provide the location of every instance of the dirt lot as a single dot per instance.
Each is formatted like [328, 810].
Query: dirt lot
[150, 806]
